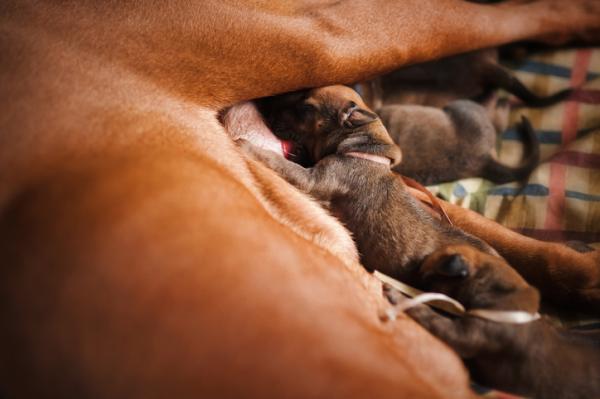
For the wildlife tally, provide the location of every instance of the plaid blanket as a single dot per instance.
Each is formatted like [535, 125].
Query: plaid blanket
[561, 199]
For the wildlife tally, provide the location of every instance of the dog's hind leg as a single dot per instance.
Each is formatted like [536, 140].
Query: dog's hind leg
[563, 275]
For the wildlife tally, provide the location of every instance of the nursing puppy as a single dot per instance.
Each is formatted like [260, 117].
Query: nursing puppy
[353, 179]
[534, 359]
[456, 142]
[395, 235]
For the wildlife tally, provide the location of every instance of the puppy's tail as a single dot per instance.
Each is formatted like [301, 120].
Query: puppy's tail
[498, 76]
[500, 173]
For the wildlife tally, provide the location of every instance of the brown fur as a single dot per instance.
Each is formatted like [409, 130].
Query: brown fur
[315, 120]
[534, 359]
[454, 143]
[143, 256]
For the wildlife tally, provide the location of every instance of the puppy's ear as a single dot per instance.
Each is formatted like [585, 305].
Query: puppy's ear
[281, 101]
[453, 266]
[293, 98]
[352, 116]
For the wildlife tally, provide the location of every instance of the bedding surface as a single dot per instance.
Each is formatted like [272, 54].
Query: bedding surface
[560, 201]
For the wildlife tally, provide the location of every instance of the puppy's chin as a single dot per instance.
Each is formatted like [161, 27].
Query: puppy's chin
[367, 145]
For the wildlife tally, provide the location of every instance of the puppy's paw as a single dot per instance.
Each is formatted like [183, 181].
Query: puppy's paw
[245, 145]
[267, 157]
[253, 150]
[423, 315]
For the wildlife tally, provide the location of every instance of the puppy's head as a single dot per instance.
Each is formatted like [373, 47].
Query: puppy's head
[332, 119]
[477, 280]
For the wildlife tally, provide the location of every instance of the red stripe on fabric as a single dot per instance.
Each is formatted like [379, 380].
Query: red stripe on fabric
[569, 128]
[560, 235]
[556, 184]
[556, 197]
[578, 76]
[580, 69]
[585, 96]
[580, 159]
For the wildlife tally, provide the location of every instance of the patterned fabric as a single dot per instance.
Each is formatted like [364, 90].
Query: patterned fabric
[561, 199]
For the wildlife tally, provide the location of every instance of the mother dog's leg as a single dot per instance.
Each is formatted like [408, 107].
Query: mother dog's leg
[218, 53]
[563, 275]
[161, 276]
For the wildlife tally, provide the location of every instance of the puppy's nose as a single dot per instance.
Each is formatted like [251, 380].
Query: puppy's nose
[453, 266]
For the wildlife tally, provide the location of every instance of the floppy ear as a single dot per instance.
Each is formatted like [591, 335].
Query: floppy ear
[270, 104]
[453, 266]
[352, 116]
[293, 98]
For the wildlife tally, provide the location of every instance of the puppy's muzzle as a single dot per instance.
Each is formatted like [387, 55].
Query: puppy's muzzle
[366, 143]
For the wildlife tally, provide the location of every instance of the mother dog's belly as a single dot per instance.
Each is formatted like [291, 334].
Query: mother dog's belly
[176, 274]
[78, 108]
[137, 217]
[141, 249]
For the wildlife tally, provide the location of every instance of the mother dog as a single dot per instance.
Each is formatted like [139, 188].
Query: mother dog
[143, 256]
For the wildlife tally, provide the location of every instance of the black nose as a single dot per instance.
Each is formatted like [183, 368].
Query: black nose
[454, 266]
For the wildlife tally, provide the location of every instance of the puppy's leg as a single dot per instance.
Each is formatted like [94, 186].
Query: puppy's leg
[498, 76]
[466, 336]
[295, 174]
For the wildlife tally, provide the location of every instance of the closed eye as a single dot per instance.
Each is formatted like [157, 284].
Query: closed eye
[502, 288]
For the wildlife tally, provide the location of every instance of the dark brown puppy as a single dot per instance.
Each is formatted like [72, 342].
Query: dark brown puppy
[534, 359]
[396, 236]
[456, 142]
[352, 178]
[320, 121]
[474, 75]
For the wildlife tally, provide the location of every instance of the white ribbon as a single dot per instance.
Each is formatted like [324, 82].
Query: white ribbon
[452, 306]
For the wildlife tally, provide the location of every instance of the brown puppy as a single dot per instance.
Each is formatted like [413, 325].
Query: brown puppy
[352, 178]
[474, 75]
[454, 143]
[385, 234]
[534, 359]
[319, 120]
